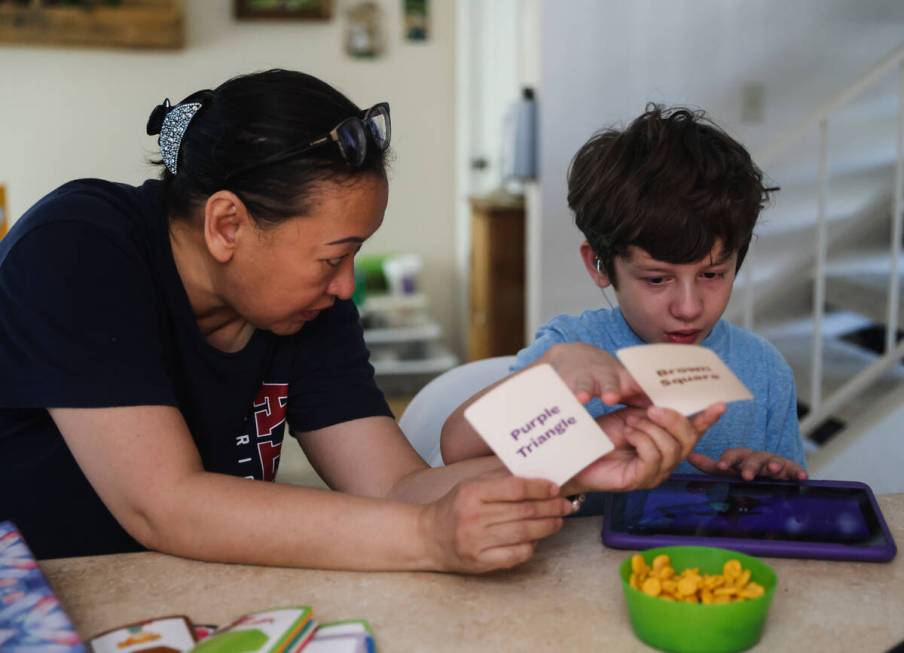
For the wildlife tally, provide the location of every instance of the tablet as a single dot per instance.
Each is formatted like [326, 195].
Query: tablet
[831, 520]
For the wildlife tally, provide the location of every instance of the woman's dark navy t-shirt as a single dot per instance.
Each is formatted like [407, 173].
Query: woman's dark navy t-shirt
[93, 313]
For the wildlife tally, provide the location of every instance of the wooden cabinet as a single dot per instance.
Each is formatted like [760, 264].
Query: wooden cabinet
[496, 325]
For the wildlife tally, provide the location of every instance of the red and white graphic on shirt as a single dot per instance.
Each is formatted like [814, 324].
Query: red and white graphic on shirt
[269, 416]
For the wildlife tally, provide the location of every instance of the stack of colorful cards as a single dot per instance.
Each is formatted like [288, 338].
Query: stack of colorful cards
[282, 630]
[31, 619]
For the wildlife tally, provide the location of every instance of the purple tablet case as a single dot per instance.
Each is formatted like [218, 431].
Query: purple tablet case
[838, 516]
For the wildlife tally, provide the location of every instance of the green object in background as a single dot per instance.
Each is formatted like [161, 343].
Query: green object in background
[699, 628]
[371, 268]
[360, 293]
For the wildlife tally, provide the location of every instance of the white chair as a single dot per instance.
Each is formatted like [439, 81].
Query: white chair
[423, 419]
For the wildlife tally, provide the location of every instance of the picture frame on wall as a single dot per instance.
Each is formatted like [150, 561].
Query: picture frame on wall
[144, 24]
[283, 9]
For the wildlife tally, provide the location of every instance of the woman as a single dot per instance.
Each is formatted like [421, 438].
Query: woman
[153, 341]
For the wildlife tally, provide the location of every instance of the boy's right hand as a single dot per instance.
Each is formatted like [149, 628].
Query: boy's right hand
[491, 522]
[592, 372]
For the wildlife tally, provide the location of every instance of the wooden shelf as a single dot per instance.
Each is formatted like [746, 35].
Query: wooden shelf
[496, 319]
[438, 362]
[422, 332]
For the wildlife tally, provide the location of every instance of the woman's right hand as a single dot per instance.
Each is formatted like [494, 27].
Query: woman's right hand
[492, 521]
[591, 372]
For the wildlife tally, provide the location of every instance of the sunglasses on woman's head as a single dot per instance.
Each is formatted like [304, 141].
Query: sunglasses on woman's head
[351, 136]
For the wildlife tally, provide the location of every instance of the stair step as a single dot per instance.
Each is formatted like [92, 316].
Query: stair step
[859, 283]
[841, 361]
[835, 324]
[851, 196]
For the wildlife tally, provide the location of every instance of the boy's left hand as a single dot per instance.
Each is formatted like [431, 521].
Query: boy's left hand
[748, 464]
[648, 445]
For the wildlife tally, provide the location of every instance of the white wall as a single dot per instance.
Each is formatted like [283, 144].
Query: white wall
[601, 61]
[67, 113]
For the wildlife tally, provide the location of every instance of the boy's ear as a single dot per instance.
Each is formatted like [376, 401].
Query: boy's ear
[594, 266]
[226, 221]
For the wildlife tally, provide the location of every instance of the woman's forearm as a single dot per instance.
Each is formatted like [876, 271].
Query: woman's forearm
[227, 519]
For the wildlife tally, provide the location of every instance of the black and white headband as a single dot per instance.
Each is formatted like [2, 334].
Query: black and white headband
[171, 122]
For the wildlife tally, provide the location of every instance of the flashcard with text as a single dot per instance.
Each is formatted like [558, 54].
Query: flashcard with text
[685, 378]
[536, 426]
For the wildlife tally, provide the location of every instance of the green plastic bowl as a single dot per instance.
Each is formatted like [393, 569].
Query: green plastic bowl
[699, 628]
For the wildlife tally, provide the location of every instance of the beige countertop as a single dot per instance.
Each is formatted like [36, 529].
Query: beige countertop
[568, 598]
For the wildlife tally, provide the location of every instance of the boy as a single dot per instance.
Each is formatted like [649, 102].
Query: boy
[667, 208]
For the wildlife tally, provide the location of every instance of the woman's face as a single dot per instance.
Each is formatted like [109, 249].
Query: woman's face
[282, 277]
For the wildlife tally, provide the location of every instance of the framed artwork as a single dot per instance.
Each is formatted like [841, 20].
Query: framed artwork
[93, 23]
[291, 9]
[416, 19]
[364, 30]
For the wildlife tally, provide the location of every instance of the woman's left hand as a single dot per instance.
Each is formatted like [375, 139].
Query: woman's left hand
[648, 445]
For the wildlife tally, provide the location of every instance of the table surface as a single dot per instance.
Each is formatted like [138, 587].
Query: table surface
[567, 598]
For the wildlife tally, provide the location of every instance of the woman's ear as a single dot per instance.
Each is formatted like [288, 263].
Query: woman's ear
[226, 221]
[594, 266]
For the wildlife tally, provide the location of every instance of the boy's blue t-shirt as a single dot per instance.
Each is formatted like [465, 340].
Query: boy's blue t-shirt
[767, 423]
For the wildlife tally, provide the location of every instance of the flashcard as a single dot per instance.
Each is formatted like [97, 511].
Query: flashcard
[352, 636]
[170, 634]
[685, 378]
[536, 426]
[281, 630]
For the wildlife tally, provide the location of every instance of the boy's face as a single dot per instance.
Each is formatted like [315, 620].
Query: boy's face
[669, 302]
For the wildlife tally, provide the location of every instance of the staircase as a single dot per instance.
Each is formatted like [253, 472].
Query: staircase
[822, 280]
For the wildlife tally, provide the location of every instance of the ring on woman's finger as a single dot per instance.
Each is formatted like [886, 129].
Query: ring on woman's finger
[577, 500]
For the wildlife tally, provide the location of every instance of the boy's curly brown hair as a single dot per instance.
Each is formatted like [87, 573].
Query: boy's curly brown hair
[672, 183]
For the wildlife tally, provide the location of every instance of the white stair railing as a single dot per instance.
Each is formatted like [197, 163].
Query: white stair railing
[820, 407]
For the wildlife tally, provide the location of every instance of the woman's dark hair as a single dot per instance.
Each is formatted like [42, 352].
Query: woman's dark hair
[672, 183]
[253, 117]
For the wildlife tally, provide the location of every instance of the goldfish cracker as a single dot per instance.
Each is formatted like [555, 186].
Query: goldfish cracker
[637, 564]
[752, 591]
[731, 569]
[652, 586]
[687, 586]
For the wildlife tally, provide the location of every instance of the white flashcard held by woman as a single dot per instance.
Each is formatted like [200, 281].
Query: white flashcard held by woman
[536, 426]
[685, 378]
